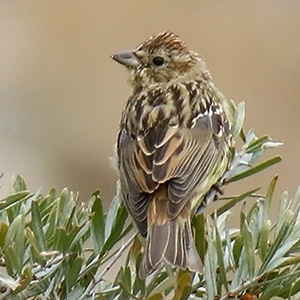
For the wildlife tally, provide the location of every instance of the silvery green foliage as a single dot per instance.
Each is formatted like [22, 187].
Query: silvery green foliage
[54, 247]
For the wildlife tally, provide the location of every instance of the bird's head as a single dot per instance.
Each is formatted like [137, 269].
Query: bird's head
[162, 59]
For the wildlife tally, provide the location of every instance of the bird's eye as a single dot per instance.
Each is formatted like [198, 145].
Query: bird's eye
[158, 61]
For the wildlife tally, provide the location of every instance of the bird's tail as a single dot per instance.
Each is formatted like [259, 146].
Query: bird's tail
[169, 240]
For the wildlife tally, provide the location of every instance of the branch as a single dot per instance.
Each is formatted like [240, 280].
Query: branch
[92, 285]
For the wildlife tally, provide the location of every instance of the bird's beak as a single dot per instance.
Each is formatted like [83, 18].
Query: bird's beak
[127, 58]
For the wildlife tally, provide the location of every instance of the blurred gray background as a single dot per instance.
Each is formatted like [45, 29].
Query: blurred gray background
[61, 95]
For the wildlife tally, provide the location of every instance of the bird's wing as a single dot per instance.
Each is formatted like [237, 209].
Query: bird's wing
[135, 179]
[193, 161]
[182, 158]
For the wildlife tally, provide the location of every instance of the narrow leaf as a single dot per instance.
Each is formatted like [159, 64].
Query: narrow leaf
[210, 263]
[264, 239]
[221, 266]
[73, 273]
[158, 296]
[97, 224]
[37, 226]
[184, 285]
[19, 185]
[271, 292]
[14, 243]
[3, 232]
[200, 241]
[111, 216]
[239, 117]
[296, 287]
[258, 168]
[234, 201]
[13, 200]
[256, 144]
[249, 249]
[269, 197]
[237, 248]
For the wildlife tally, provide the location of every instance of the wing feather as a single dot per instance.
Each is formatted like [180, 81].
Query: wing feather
[182, 158]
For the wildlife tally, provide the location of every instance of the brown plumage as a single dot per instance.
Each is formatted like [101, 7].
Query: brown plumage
[173, 145]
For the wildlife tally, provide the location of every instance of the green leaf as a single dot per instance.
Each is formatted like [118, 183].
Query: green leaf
[19, 185]
[237, 248]
[127, 278]
[60, 240]
[293, 260]
[13, 263]
[256, 144]
[249, 248]
[258, 168]
[37, 226]
[139, 285]
[13, 200]
[70, 218]
[221, 266]
[239, 117]
[281, 213]
[48, 202]
[273, 249]
[14, 248]
[3, 232]
[184, 285]
[294, 203]
[264, 239]
[161, 283]
[72, 237]
[158, 296]
[97, 224]
[63, 206]
[210, 263]
[35, 252]
[271, 292]
[295, 287]
[111, 216]
[134, 252]
[77, 235]
[200, 240]
[269, 197]
[52, 224]
[73, 273]
[77, 292]
[116, 230]
[234, 201]
[240, 275]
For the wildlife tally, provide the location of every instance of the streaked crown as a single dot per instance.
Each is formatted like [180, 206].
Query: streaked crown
[162, 59]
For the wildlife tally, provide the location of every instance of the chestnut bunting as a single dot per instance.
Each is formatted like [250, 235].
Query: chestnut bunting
[172, 147]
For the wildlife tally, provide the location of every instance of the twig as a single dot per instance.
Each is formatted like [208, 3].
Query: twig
[92, 285]
[54, 261]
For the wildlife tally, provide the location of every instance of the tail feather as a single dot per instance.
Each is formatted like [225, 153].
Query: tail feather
[176, 254]
[157, 245]
[173, 242]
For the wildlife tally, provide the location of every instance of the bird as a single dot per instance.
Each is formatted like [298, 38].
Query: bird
[173, 145]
